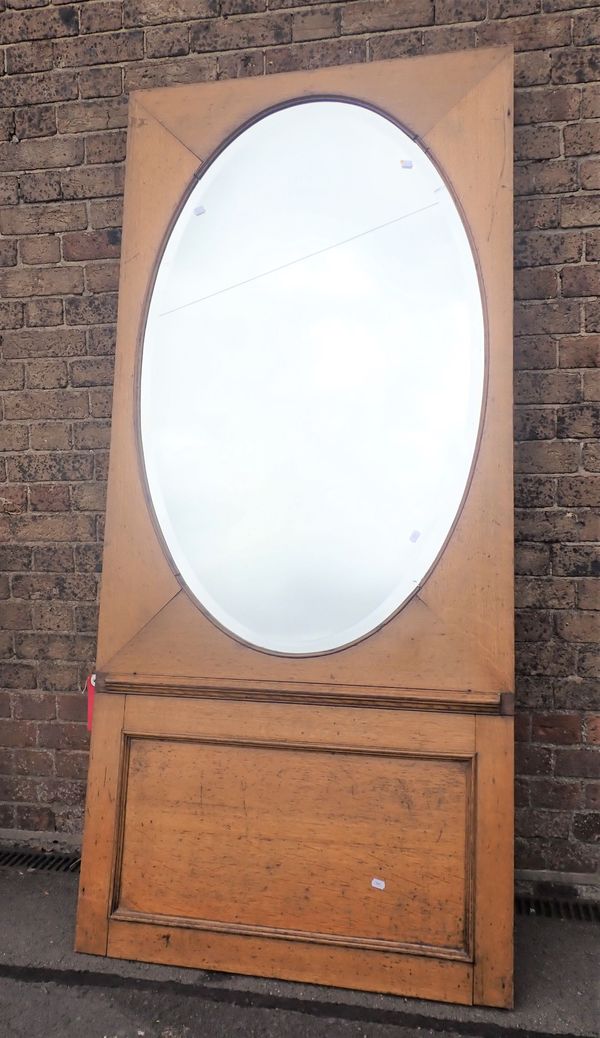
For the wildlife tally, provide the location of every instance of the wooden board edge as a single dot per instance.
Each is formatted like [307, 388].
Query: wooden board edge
[100, 826]
[494, 863]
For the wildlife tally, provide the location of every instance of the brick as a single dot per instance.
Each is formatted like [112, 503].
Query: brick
[101, 403]
[43, 312]
[533, 760]
[16, 616]
[47, 436]
[553, 175]
[239, 64]
[579, 763]
[316, 55]
[65, 587]
[228, 7]
[34, 89]
[547, 387]
[101, 277]
[93, 182]
[539, 456]
[380, 15]
[591, 385]
[58, 677]
[319, 24]
[54, 559]
[13, 499]
[46, 497]
[590, 174]
[535, 423]
[538, 248]
[42, 154]
[582, 420]
[71, 764]
[556, 729]
[580, 626]
[532, 559]
[106, 213]
[40, 187]
[101, 16]
[557, 796]
[100, 49]
[43, 219]
[63, 735]
[153, 12]
[592, 316]
[12, 376]
[537, 142]
[42, 249]
[29, 57]
[549, 658]
[16, 675]
[396, 44]
[532, 68]
[92, 115]
[544, 592]
[576, 65]
[68, 403]
[72, 707]
[541, 283]
[89, 497]
[582, 138]
[33, 762]
[578, 560]
[168, 41]
[460, 10]
[47, 342]
[88, 558]
[46, 374]
[580, 351]
[534, 491]
[592, 729]
[147, 75]
[101, 341]
[573, 693]
[85, 245]
[586, 826]
[38, 819]
[13, 437]
[578, 490]
[38, 121]
[42, 24]
[50, 467]
[53, 646]
[8, 253]
[558, 525]
[533, 625]
[105, 147]
[93, 371]
[91, 435]
[582, 211]
[590, 457]
[9, 194]
[41, 281]
[554, 104]
[529, 33]
[86, 618]
[590, 101]
[101, 81]
[537, 213]
[35, 706]
[100, 309]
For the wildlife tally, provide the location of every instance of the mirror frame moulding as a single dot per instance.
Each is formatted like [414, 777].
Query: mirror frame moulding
[196, 178]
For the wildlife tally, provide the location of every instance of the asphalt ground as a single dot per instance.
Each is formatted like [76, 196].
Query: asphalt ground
[50, 991]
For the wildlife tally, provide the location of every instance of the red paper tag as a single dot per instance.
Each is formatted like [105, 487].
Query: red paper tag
[90, 687]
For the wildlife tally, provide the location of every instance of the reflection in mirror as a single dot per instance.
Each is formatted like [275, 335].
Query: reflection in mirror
[312, 377]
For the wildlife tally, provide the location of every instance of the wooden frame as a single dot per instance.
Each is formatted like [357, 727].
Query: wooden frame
[433, 684]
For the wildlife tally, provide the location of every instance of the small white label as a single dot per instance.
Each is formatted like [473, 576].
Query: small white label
[379, 884]
[414, 537]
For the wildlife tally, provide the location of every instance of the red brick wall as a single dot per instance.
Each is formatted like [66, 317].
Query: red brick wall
[63, 107]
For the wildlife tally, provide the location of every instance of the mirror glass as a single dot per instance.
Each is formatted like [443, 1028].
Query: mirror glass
[312, 377]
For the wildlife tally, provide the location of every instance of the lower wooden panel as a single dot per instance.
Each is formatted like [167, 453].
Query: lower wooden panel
[389, 973]
[326, 844]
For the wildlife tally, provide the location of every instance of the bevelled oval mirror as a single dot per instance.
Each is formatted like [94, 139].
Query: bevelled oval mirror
[312, 377]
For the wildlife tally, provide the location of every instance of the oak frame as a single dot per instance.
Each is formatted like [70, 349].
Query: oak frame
[422, 667]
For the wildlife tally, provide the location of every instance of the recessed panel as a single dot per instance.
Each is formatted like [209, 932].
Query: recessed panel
[312, 377]
[365, 848]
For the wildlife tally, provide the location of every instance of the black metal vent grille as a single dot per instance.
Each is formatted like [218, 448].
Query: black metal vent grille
[38, 861]
[558, 908]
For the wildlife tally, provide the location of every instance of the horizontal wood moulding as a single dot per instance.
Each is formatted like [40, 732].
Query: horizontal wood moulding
[367, 696]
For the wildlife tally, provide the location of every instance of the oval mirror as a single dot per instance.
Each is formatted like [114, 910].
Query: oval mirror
[312, 377]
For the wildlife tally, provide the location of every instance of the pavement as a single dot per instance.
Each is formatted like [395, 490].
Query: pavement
[49, 991]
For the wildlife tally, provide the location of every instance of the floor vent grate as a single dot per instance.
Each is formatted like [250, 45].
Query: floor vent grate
[38, 861]
[558, 908]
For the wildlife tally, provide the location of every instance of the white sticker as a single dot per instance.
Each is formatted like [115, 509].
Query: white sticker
[414, 537]
[379, 884]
